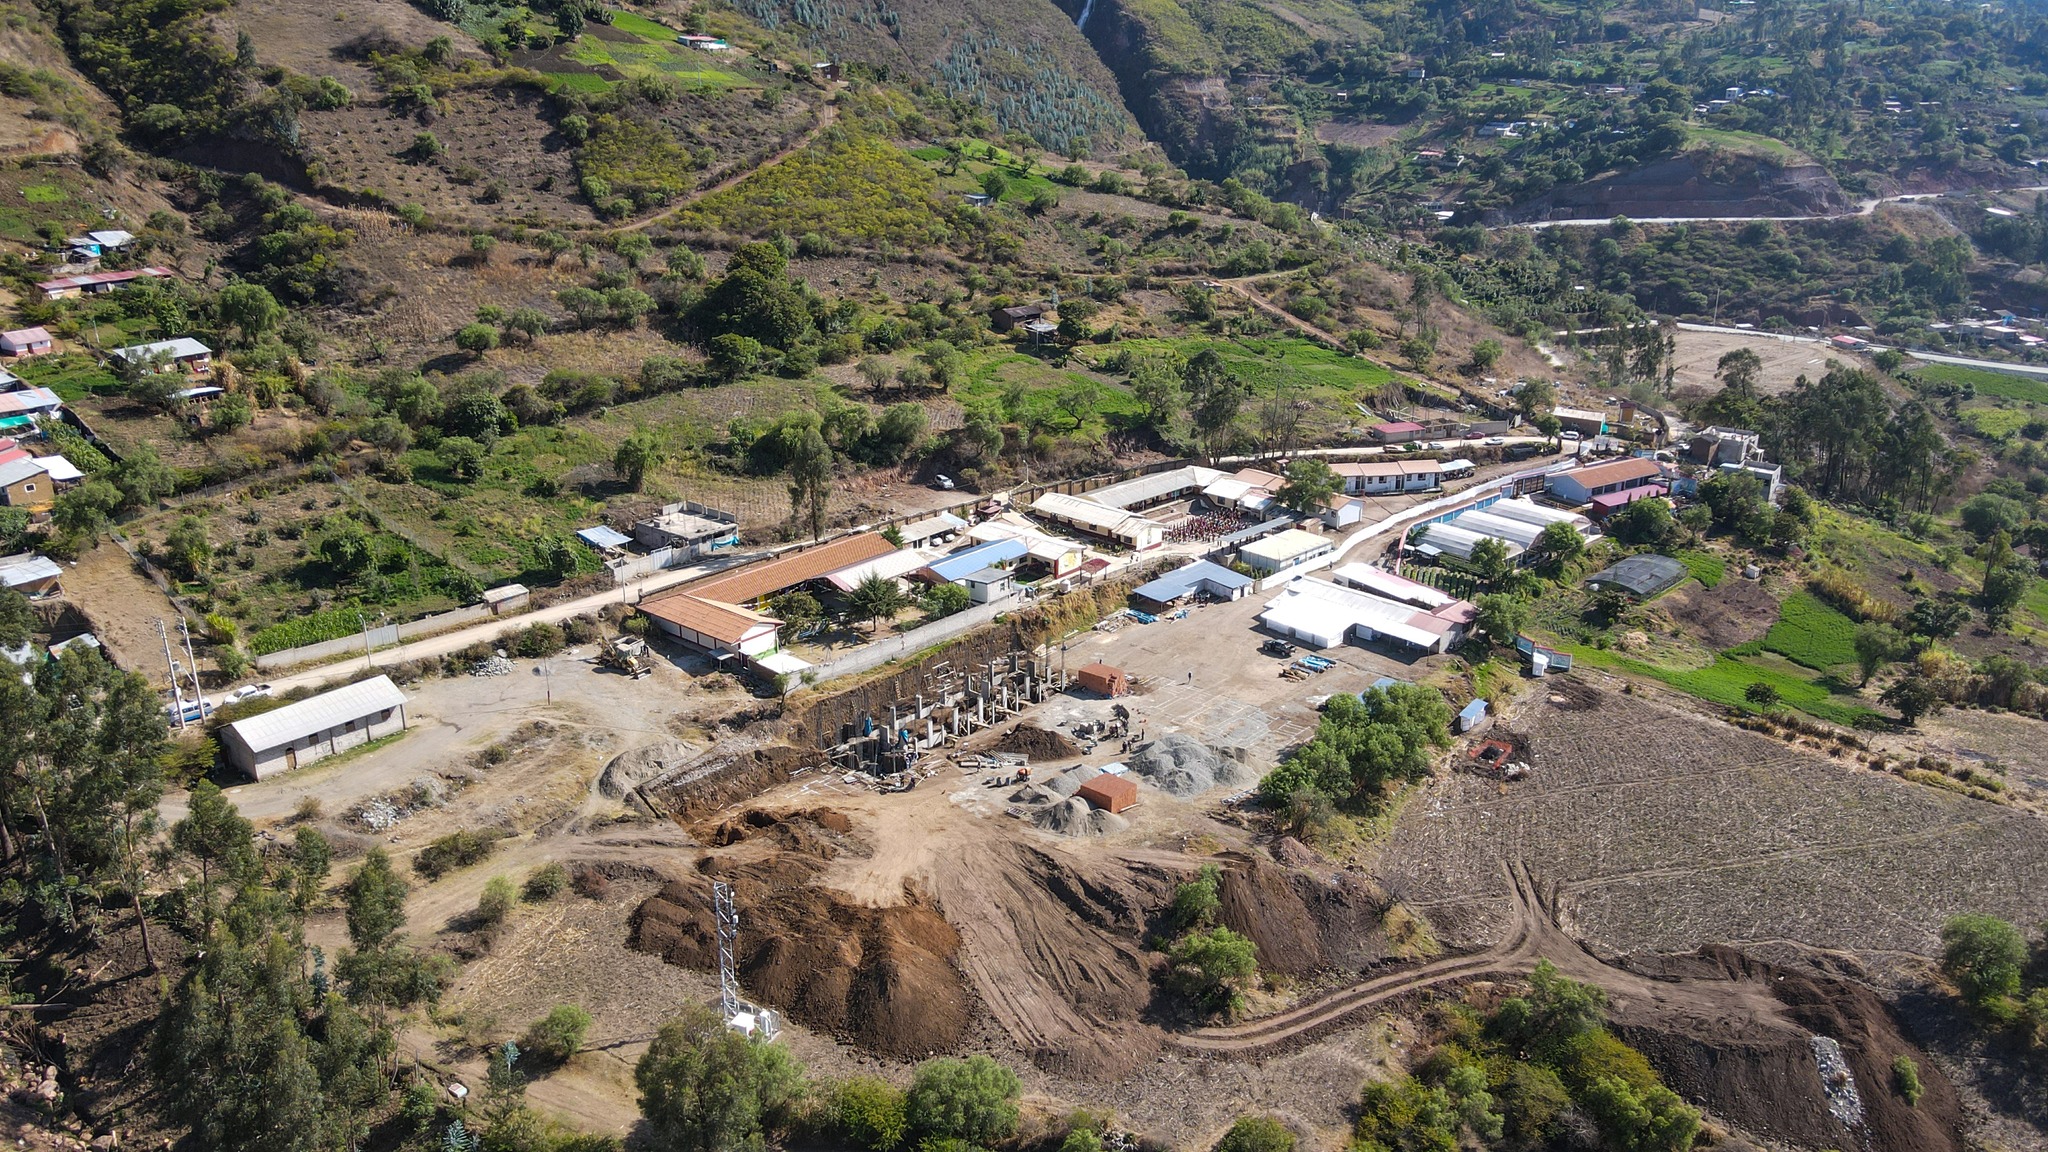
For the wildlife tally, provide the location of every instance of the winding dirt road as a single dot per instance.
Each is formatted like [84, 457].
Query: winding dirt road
[1532, 934]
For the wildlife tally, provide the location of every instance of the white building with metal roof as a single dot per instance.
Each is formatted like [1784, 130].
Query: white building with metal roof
[314, 728]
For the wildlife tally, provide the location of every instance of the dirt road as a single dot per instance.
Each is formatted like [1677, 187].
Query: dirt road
[827, 116]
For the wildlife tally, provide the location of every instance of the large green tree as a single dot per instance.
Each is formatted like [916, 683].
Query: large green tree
[1311, 483]
[706, 1088]
[810, 480]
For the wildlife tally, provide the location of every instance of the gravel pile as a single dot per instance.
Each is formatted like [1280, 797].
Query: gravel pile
[1838, 1082]
[1077, 817]
[1180, 765]
[491, 666]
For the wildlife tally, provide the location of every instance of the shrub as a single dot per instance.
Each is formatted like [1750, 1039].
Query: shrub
[537, 640]
[871, 1113]
[556, 1036]
[455, 850]
[1256, 1134]
[546, 882]
[1906, 1080]
[974, 1100]
[496, 902]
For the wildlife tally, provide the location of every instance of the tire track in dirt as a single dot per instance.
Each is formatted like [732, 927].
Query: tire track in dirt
[827, 116]
[1530, 928]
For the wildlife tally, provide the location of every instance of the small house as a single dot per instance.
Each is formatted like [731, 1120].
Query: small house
[978, 199]
[688, 526]
[1472, 715]
[94, 283]
[1104, 679]
[33, 482]
[989, 585]
[506, 599]
[1395, 432]
[826, 70]
[314, 728]
[1109, 792]
[1584, 421]
[183, 354]
[1293, 548]
[26, 342]
[1004, 319]
[724, 629]
[30, 574]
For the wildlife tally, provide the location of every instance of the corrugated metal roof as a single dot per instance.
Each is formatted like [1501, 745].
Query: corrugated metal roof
[968, 560]
[1061, 506]
[1187, 578]
[318, 713]
[1381, 582]
[27, 568]
[181, 348]
[898, 563]
[930, 526]
[1286, 546]
[1156, 486]
[603, 536]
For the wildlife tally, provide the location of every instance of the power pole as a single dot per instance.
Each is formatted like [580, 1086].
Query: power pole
[192, 665]
[177, 694]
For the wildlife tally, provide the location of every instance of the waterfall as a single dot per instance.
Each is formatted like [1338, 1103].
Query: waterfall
[1087, 10]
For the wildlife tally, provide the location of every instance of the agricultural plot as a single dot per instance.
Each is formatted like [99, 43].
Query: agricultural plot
[636, 47]
[1664, 832]
[1322, 376]
[1984, 382]
[1812, 633]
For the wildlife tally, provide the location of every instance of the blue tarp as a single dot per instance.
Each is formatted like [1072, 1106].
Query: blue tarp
[1187, 578]
[971, 560]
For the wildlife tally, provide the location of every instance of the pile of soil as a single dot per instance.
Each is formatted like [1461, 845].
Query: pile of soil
[1077, 817]
[1735, 611]
[818, 832]
[1301, 922]
[715, 781]
[629, 770]
[880, 978]
[1180, 765]
[1768, 1082]
[1036, 744]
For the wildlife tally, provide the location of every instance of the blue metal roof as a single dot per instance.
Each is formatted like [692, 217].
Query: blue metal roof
[603, 537]
[970, 560]
[1476, 710]
[1186, 579]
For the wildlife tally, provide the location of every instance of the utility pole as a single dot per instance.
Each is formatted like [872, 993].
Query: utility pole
[177, 694]
[192, 665]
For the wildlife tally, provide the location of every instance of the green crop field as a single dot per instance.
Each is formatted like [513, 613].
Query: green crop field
[44, 194]
[589, 83]
[1996, 423]
[1044, 388]
[1728, 677]
[1706, 567]
[1987, 382]
[1812, 633]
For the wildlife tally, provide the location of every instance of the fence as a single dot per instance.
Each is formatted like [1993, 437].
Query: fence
[386, 636]
[916, 640]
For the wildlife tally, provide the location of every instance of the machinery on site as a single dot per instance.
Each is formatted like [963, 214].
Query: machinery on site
[627, 654]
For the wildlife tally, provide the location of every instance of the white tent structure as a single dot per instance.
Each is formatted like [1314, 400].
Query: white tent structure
[1457, 543]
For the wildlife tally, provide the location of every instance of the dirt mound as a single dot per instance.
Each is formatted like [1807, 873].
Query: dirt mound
[1735, 611]
[704, 786]
[1036, 743]
[629, 770]
[1772, 1084]
[1077, 817]
[1301, 922]
[881, 978]
[816, 831]
[1054, 945]
[1180, 765]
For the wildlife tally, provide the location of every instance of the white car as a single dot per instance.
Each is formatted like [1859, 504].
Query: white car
[1496, 441]
[944, 482]
[1568, 434]
[247, 692]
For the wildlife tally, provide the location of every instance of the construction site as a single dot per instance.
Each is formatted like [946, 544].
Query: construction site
[976, 846]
